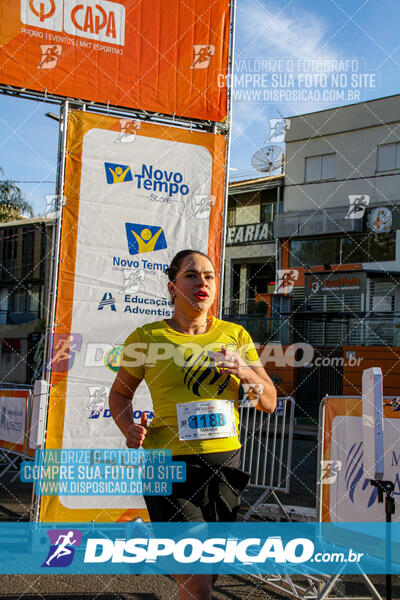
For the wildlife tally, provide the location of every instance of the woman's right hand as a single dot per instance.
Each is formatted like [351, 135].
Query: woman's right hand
[135, 433]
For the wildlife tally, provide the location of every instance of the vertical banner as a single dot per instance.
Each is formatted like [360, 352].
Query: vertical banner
[346, 494]
[135, 194]
[167, 57]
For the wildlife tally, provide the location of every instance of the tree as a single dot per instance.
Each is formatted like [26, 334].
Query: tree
[12, 201]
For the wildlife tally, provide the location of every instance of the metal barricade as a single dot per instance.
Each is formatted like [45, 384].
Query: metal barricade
[267, 441]
[5, 385]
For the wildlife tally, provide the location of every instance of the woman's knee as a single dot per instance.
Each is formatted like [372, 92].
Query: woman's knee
[195, 586]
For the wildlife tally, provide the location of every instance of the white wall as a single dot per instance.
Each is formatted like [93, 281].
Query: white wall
[353, 133]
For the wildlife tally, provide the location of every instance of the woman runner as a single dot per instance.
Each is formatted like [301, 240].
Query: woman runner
[194, 373]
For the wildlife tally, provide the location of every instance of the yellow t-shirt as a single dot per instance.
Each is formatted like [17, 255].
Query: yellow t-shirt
[177, 369]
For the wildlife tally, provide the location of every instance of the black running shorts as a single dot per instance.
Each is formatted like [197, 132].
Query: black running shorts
[210, 493]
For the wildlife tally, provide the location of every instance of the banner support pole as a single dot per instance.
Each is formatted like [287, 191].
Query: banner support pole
[229, 87]
[53, 276]
[56, 236]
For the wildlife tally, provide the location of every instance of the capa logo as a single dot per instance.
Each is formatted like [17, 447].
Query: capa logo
[46, 14]
[42, 11]
[100, 20]
[96, 19]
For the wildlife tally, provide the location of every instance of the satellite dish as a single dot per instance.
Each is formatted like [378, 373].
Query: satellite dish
[268, 159]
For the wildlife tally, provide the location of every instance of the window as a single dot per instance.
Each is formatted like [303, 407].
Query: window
[305, 253]
[354, 249]
[348, 249]
[389, 157]
[371, 247]
[231, 217]
[259, 277]
[381, 246]
[320, 167]
[267, 212]
[19, 301]
[28, 249]
[34, 300]
[10, 345]
[9, 253]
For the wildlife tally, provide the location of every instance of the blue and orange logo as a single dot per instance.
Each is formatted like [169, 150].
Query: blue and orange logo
[116, 173]
[144, 238]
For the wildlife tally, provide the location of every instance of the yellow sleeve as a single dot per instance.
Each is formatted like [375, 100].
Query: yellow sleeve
[247, 350]
[134, 353]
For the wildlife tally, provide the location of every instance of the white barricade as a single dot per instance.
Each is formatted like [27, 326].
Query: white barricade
[267, 441]
[15, 418]
[344, 493]
[343, 489]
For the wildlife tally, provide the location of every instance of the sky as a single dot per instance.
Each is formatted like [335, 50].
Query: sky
[291, 57]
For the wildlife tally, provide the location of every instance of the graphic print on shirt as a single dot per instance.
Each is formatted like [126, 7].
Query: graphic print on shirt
[199, 371]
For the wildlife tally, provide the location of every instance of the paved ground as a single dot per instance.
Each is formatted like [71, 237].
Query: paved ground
[16, 497]
[148, 587]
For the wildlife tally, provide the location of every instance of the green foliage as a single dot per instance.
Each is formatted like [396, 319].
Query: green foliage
[12, 201]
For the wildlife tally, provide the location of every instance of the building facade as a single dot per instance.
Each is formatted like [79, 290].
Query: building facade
[339, 238]
[329, 271]
[250, 250]
[25, 253]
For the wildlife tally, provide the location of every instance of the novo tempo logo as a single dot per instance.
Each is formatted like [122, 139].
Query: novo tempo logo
[144, 238]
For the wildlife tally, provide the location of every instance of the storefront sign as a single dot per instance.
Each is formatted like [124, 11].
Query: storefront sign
[342, 282]
[248, 234]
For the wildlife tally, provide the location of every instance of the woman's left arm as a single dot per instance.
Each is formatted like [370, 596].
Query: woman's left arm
[260, 389]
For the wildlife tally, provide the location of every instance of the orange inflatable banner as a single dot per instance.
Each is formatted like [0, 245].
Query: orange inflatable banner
[165, 57]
